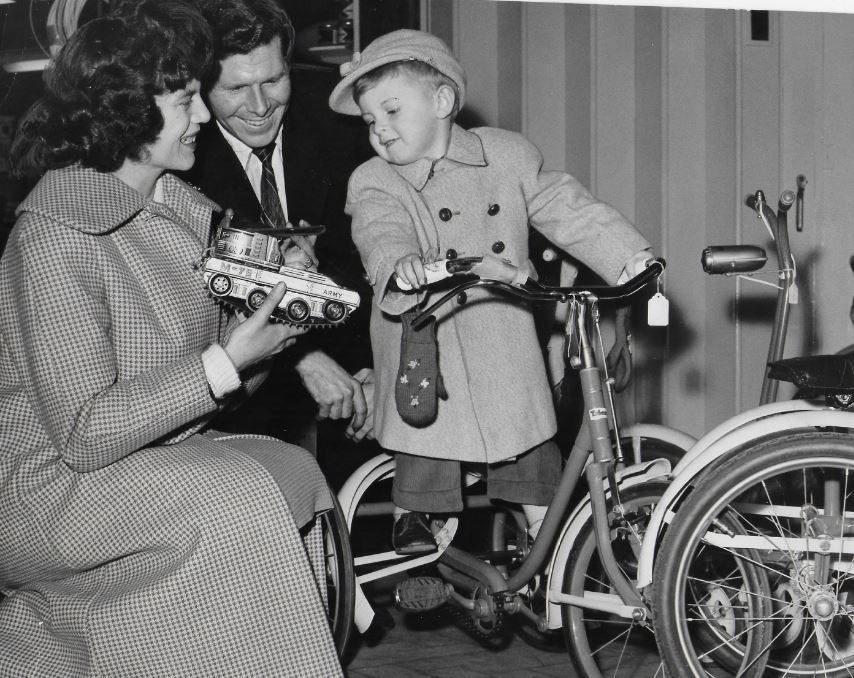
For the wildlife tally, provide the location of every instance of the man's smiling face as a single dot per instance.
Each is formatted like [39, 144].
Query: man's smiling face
[252, 93]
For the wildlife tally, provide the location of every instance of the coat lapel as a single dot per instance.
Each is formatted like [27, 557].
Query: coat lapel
[306, 180]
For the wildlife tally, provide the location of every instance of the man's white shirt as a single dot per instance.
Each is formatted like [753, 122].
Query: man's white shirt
[251, 164]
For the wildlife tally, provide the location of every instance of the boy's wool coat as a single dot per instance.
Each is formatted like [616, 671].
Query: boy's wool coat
[479, 199]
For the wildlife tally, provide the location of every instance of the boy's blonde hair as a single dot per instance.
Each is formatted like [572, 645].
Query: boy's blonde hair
[417, 70]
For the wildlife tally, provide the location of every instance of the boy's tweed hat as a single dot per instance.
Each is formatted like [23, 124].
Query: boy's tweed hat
[401, 45]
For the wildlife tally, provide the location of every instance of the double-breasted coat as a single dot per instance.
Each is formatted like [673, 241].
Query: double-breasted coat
[132, 541]
[480, 198]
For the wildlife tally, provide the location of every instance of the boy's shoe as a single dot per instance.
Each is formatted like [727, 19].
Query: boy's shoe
[411, 535]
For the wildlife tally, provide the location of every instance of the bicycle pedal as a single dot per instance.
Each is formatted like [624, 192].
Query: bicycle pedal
[420, 593]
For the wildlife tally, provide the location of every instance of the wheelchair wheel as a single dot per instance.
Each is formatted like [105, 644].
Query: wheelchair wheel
[340, 576]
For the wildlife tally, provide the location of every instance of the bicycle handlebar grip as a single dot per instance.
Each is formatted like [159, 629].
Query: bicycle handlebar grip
[733, 259]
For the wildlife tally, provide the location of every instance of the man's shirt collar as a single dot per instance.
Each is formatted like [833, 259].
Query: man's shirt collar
[241, 150]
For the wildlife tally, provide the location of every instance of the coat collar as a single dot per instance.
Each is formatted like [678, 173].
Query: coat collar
[465, 148]
[75, 196]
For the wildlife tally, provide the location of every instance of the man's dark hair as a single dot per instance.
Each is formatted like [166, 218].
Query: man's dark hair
[98, 106]
[240, 26]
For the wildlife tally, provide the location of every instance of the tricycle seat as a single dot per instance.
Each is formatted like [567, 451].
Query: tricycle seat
[820, 375]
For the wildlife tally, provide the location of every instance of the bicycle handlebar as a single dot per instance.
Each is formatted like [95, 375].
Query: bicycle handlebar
[534, 291]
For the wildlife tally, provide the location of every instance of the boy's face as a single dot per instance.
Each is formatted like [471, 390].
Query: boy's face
[405, 120]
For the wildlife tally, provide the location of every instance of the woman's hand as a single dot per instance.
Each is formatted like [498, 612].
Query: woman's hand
[256, 338]
[410, 269]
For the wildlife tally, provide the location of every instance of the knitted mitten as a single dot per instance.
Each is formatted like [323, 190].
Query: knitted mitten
[419, 383]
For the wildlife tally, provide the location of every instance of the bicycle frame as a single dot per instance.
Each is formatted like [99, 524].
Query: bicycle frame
[603, 478]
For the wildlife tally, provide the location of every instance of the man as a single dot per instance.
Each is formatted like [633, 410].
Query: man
[249, 96]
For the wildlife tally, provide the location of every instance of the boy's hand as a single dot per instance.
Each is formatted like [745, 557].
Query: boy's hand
[410, 269]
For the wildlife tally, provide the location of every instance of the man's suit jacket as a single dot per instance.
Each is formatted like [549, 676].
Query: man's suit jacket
[320, 150]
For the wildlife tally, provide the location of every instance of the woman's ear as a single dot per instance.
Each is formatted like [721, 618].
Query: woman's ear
[446, 98]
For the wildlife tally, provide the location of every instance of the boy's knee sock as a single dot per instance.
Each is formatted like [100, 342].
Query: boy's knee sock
[534, 515]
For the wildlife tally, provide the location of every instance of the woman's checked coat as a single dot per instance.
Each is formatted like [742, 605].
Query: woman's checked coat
[479, 199]
[132, 543]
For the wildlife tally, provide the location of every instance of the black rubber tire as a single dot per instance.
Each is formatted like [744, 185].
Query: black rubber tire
[588, 633]
[787, 470]
[340, 577]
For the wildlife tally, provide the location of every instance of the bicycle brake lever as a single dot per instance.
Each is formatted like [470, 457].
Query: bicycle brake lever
[441, 269]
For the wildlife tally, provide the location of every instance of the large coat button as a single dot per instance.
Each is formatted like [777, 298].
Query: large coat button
[493, 209]
[498, 247]
[445, 214]
[462, 297]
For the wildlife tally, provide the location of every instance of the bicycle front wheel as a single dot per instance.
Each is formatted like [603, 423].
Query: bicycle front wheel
[780, 508]
[602, 644]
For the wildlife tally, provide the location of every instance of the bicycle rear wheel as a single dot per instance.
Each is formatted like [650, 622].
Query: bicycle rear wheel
[764, 509]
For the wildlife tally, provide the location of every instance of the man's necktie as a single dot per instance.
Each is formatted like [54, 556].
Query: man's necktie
[271, 207]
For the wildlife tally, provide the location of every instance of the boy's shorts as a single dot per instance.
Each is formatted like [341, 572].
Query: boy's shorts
[434, 485]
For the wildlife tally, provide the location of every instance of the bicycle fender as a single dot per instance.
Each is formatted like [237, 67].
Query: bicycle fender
[732, 435]
[359, 481]
[656, 469]
[670, 435]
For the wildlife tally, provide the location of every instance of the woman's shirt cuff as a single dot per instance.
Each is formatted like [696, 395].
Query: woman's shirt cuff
[222, 376]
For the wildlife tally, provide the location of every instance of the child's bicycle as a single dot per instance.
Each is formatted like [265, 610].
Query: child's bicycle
[581, 564]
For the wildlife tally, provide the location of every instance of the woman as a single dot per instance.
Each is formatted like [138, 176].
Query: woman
[132, 541]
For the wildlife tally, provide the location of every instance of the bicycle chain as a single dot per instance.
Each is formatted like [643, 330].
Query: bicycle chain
[312, 322]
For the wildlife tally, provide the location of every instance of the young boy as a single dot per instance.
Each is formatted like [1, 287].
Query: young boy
[438, 191]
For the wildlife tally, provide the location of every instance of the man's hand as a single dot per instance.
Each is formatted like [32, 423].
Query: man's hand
[356, 431]
[298, 250]
[227, 216]
[337, 393]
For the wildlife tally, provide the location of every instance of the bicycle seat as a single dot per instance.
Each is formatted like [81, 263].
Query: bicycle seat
[826, 375]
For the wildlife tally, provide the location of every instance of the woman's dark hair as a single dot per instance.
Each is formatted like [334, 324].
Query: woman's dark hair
[239, 26]
[98, 107]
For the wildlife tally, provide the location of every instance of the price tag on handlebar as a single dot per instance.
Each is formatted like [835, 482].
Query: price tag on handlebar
[658, 310]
